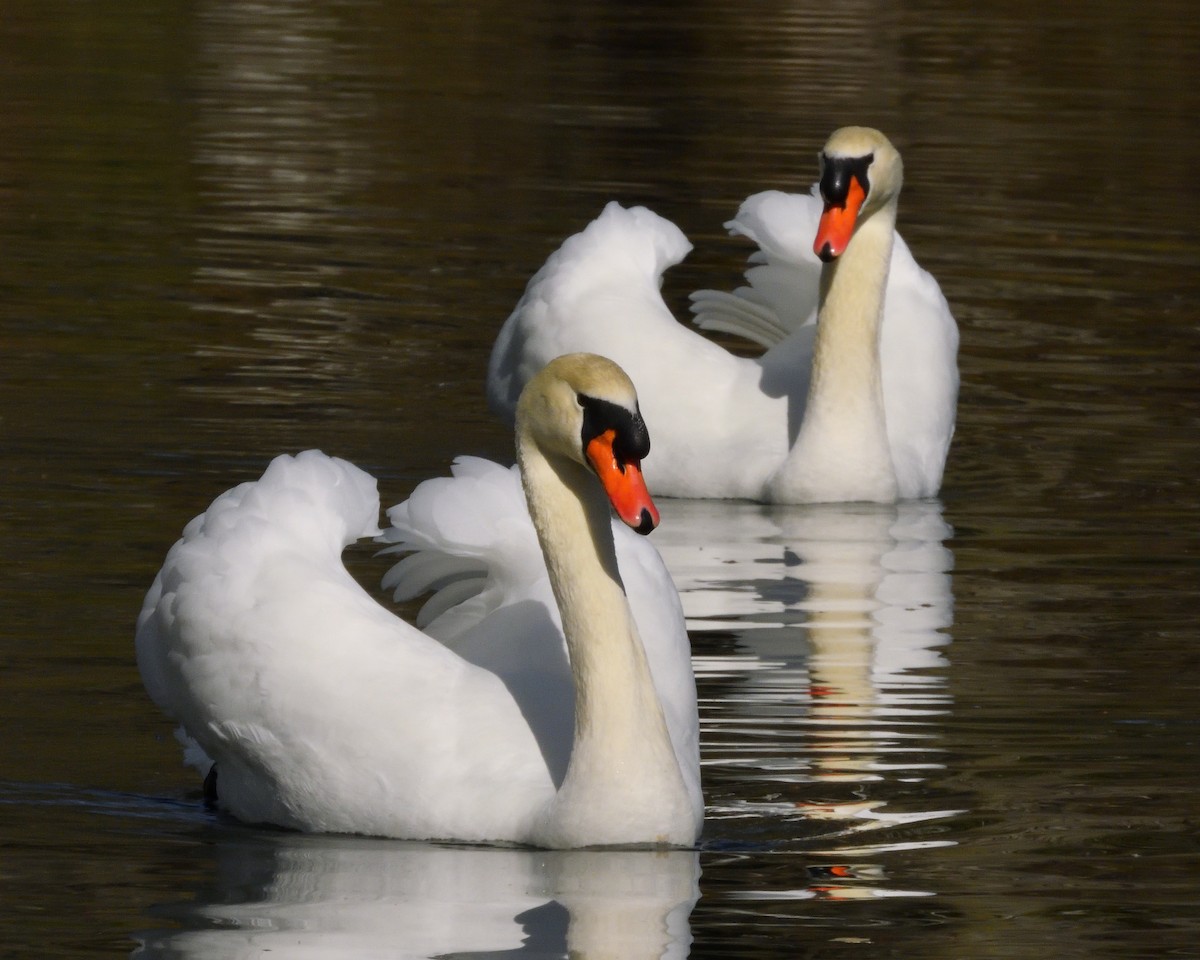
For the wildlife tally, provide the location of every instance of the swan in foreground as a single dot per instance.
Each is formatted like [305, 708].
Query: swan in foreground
[325, 712]
[854, 399]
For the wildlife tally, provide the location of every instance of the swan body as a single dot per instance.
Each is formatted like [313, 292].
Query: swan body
[325, 712]
[854, 398]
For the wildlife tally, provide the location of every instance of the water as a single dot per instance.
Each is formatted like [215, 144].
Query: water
[965, 728]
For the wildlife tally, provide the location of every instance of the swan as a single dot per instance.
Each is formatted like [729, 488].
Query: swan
[854, 398]
[324, 712]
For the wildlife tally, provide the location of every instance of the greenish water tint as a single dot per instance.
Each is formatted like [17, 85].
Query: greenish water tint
[964, 728]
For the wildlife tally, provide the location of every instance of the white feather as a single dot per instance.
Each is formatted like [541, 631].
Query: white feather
[325, 712]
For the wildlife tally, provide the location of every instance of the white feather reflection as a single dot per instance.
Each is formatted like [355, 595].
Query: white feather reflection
[323, 897]
[820, 652]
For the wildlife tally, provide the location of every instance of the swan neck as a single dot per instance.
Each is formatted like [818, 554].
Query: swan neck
[573, 527]
[862, 269]
[841, 450]
[850, 310]
[621, 745]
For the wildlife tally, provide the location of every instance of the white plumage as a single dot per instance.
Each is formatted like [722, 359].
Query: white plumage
[325, 712]
[727, 426]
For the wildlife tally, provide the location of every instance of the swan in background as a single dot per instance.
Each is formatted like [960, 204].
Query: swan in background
[324, 712]
[854, 398]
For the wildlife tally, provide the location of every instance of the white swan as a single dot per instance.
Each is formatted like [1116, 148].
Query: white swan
[859, 405]
[325, 712]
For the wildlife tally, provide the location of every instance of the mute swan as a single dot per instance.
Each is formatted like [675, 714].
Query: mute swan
[876, 419]
[324, 712]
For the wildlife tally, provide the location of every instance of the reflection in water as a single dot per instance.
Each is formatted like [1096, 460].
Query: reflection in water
[819, 650]
[315, 896]
[199, 197]
[279, 163]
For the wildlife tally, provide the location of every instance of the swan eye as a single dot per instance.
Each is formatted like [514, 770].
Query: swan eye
[632, 441]
[836, 173]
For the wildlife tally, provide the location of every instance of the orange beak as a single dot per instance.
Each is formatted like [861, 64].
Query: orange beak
[837, 223]
[623, 483]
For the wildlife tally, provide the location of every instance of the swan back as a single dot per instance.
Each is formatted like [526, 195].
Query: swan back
[322, 710]
[918, 346]
[601, 293]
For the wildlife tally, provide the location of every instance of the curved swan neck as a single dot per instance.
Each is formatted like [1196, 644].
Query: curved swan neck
[623, 767]
[571, 517]
[842, 451]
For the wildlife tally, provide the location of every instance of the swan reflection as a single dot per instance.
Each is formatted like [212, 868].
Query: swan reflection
[880, 569]
[819, 635]
[319, 896]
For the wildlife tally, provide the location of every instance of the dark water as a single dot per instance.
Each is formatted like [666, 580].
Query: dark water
[966, 728]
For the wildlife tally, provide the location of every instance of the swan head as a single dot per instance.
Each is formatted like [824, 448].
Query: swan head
[583, 408]
[861, 172]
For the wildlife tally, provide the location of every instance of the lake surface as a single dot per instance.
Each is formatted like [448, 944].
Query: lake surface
[960, 728]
